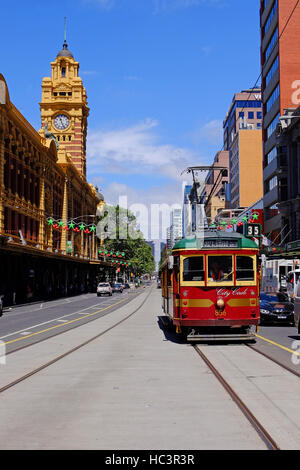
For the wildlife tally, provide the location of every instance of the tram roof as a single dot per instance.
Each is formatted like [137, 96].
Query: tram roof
[213, 239]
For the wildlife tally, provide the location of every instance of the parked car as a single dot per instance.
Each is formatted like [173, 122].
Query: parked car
[1, 305]
[158, 283]
[104, 288]
[117, 287]
[276, 308]
[127, 286]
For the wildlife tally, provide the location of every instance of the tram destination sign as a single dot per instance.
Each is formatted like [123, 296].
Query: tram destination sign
[219, 243]
[252, 230]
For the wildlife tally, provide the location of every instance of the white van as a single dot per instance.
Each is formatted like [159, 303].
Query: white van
[291, 283]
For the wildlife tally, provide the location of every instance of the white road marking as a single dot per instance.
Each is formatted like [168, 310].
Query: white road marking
[25, 333]
[53, 320]
[52, 303]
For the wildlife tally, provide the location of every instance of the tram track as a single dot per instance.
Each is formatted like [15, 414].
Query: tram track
[70, 351]
[255, 423]
[267, 356]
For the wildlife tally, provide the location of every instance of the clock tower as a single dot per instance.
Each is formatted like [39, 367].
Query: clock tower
[64, 109]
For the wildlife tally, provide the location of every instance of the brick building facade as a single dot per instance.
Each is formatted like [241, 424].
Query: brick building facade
[42, 188]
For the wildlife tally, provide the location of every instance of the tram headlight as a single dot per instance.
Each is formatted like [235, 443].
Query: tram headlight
[220, 304]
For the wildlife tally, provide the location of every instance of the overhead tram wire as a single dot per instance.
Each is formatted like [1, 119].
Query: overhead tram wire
[277, 41]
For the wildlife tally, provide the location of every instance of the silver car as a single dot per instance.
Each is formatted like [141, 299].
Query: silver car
[104, 288]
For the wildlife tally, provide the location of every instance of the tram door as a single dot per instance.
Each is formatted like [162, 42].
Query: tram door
[176, 287]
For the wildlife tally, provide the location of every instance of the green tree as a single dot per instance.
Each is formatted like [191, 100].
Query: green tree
[118, 229]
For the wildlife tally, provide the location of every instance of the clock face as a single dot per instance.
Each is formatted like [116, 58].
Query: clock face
[61, 122]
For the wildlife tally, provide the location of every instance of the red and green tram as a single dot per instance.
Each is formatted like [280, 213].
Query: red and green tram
[210, 287]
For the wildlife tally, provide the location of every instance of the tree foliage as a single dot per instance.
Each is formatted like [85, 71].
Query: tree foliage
[119, 231]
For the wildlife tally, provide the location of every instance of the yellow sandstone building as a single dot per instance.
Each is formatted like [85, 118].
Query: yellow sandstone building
[48, 242]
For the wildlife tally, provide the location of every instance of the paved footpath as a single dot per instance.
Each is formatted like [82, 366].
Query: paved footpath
[131, 388]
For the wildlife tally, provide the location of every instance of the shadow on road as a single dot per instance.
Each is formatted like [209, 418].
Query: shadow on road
[169, 331]
[295, 337]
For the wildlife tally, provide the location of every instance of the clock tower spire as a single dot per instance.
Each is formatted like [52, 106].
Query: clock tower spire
[64, 106]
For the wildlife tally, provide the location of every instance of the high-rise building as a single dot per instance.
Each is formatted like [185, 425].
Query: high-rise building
[280, 62]
[185, 208]
[176, 224]
[169, 241]
[152, 246]
[243, 139]
[216, 183]
[288, 137]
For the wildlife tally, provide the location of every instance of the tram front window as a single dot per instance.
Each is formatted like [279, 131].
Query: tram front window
[220, 268]
[244, 268]
[193, 269]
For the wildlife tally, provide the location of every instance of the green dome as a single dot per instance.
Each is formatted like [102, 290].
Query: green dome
[65, 51]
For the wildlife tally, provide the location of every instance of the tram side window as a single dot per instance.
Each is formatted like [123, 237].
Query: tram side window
[244, 268]
[220, 268]
[176, 267]
[193, 269]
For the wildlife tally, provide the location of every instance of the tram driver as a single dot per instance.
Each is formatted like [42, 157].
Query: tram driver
[216, 272]
[220, 268]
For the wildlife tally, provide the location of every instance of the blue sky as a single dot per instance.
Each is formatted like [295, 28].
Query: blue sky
[159, 74]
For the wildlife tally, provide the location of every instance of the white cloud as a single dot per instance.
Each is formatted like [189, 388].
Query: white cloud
[206, 50]
[151, 206]
[168, 194]
[136, 150]
[211, 132]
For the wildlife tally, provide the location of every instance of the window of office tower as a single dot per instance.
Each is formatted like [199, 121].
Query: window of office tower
[271, 44]
[272, 155]
[266, 3]
[274, 96]
[271, 128]
[272, 70]
[270, 17]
